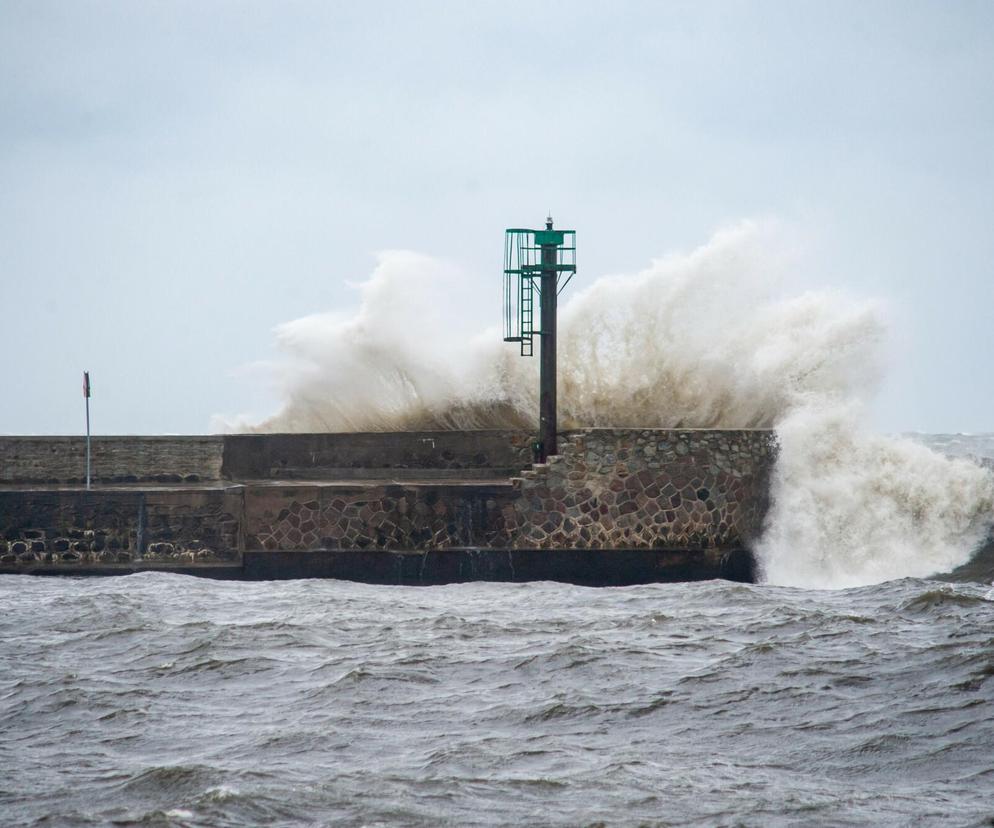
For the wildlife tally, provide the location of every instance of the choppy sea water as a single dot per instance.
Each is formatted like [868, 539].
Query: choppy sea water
[160, 699]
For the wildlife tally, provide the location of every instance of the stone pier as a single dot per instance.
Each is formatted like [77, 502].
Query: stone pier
[615, 506]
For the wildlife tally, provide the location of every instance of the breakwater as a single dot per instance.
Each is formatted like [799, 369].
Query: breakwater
[615, 506]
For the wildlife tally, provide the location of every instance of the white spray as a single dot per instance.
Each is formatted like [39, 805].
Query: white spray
[705, 339]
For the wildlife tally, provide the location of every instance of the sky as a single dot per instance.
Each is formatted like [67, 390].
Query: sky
[178, 179]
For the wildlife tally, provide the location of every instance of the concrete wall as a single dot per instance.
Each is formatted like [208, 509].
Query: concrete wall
[62, 460]
[344, 456]
[590, 567]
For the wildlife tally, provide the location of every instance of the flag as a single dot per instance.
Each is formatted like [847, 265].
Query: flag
[86, 383]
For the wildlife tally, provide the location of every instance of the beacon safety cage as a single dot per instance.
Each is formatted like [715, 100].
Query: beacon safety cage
[538, 264]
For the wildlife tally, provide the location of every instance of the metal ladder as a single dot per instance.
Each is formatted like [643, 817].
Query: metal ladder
[526, 307]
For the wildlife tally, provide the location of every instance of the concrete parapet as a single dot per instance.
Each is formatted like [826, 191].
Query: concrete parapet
[190, 459]
[62, 460]
[365, 455]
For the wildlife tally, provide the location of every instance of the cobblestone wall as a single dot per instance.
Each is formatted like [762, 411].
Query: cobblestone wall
[623, 488]
[72, 527]
[377, 517]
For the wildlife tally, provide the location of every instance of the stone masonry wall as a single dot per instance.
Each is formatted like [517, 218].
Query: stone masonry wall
[623, 488]
[120, 526]
[391, 516]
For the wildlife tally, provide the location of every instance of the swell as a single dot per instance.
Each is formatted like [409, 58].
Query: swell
[493, 704]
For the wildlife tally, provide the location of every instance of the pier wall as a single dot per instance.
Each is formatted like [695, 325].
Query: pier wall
[608, 488]
[66, 527]
[209, 501]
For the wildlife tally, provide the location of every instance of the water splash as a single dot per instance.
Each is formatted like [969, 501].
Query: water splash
[412, 356]
[852, 508]
[711, 338]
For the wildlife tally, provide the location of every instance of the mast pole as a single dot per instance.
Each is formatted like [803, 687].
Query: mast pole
[86, 396]
[547, 366]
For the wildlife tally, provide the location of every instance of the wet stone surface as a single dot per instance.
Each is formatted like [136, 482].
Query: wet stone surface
[382, 517]
[625, 488]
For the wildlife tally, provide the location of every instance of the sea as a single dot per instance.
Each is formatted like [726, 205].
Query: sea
[164, 700]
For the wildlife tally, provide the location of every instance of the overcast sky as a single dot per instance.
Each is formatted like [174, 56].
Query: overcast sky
[176, 179]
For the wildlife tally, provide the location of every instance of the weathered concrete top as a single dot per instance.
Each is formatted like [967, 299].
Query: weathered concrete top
[411, 454]
[126, 459]
[190, 460]
[167, 460]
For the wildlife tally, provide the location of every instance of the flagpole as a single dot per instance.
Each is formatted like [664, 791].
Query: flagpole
[86, 396]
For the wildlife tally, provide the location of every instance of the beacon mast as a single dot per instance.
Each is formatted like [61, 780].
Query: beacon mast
[538, 263]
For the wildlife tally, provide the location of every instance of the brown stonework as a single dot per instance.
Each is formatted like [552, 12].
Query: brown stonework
[649, 488]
